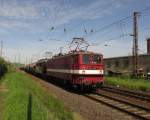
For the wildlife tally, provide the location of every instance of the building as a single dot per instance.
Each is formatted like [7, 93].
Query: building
[124, 64]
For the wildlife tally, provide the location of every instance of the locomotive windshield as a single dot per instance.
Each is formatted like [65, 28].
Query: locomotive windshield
[95, 59]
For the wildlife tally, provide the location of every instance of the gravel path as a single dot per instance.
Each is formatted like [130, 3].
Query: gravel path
[88, 109]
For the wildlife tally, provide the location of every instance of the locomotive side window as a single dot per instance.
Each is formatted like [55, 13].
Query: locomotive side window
[86, 59]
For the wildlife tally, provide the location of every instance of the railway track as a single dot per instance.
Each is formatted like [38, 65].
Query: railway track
[133, 110]
[138, 95]
[103, 97]
[133, 103]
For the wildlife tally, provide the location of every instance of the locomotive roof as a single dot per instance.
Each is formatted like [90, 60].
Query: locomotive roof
[42, 60]
[74, 53]
[63, 55]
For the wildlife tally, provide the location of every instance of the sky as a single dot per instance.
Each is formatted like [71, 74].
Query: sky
[30, 28]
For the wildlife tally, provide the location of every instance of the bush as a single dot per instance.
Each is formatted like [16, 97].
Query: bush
[3, 67]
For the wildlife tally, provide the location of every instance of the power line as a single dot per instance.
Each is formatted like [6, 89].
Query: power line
[112, 24]
[105, 7]
[108, 26]
[145, 9]
[57, 10]
[114, 38]
[116, 22]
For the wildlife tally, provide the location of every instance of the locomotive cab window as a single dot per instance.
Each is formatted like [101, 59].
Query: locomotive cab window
[96, 59]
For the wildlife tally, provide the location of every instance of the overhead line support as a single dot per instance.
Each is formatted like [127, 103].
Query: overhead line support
[135, 44]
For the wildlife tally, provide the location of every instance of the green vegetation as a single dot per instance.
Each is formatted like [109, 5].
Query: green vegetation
[26, 100]
[137, 84]
[3, 67]
[18, 65]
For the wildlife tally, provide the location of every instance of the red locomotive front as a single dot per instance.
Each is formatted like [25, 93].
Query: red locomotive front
[80, 68]
[88, 69]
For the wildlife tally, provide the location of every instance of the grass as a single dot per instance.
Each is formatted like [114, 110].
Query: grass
[127, 82]
[26, 100]
[3, 91]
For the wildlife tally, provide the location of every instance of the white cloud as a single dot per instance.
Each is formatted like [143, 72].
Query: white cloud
[92, 11]
[14, 10]
[4, 32]
[7, 24]
[51, 12]
[13, 16]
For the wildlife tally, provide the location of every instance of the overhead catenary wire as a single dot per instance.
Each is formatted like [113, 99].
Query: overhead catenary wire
[106, 26]
[57, 10]
[111, 39]
[114, 23]
[145, 9]
[103, 8]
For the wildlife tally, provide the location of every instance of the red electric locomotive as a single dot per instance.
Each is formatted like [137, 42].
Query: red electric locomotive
[78, 68]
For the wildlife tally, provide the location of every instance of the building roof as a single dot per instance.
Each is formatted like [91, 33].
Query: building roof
[125, 56]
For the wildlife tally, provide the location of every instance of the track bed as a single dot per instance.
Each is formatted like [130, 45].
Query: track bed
[88, 109]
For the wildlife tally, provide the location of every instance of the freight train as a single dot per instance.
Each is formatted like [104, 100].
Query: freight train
[78, 69]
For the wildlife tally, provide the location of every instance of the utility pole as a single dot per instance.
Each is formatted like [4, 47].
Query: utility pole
[135, 44]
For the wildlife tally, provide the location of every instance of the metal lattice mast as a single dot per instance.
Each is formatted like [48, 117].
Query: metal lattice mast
[135, 43]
